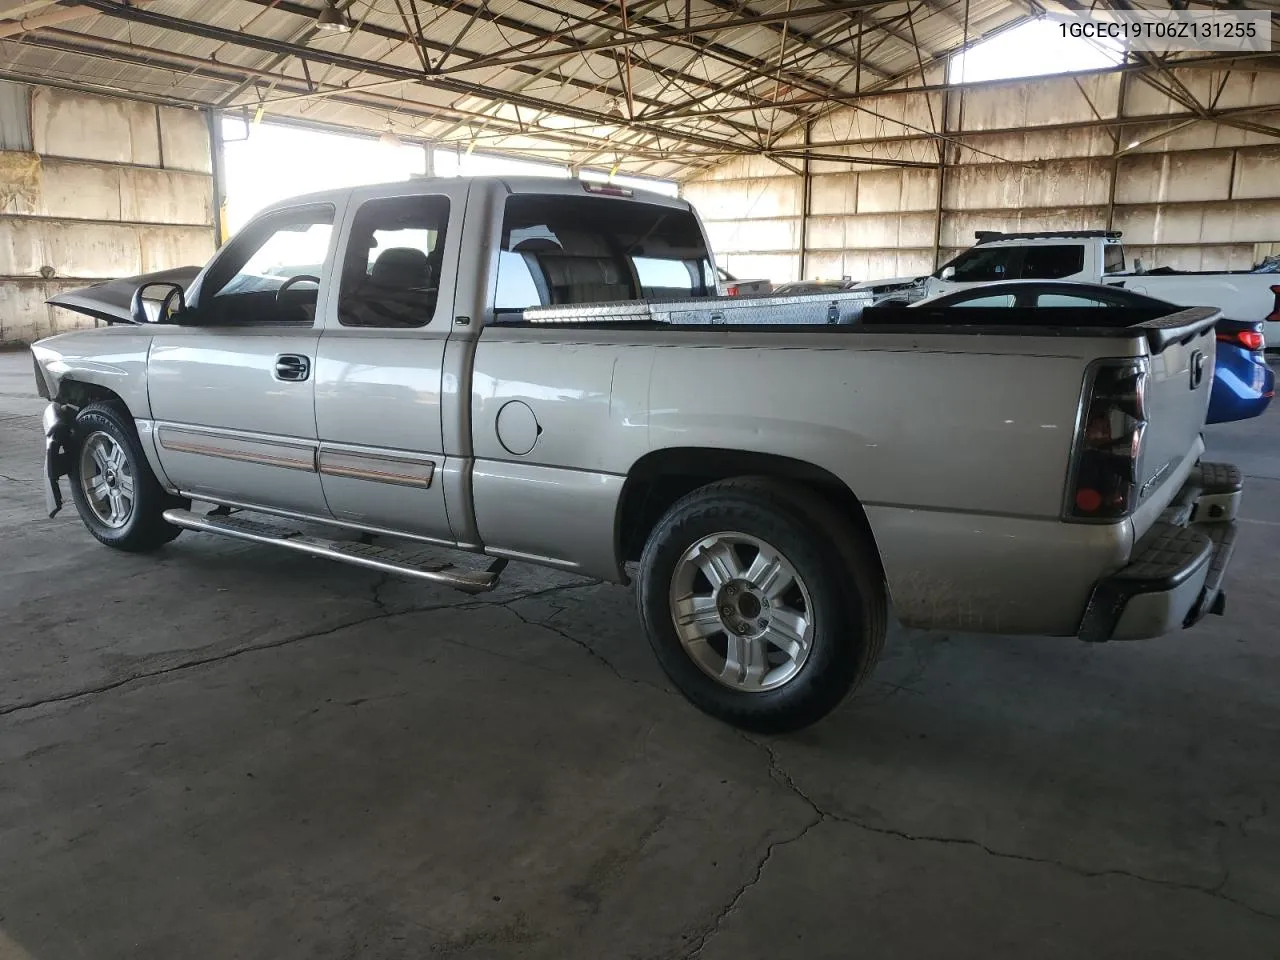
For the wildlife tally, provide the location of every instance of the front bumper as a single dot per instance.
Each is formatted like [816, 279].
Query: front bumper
[58, 419]
[1175, 574]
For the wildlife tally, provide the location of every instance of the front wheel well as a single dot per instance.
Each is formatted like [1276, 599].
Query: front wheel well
[77, 393]
[659, 479]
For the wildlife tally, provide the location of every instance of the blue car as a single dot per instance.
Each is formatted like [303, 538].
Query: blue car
[1243, 384]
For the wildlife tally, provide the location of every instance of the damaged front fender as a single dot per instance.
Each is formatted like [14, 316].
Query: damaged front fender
[58, 420]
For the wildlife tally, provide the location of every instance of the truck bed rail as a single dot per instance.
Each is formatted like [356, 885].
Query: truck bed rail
[844, 307]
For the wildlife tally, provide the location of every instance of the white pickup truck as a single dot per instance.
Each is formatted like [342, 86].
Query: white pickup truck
[1091, 256]
[540, 370]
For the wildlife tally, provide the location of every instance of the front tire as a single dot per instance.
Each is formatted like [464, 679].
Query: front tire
[763, 603]
[116, 494]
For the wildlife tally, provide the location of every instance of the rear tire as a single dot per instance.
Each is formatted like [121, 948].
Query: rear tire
[116, 494]
[762, 602]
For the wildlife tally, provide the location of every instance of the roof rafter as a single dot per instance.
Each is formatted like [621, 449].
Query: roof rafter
[393, 71]
[117, 51]
[465, 7]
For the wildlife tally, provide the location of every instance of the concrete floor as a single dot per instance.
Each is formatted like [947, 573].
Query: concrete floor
[227, 751]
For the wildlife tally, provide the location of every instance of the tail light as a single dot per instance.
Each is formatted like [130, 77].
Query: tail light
[1274, 315]
[1249, 339]
[731, 291]
[1104, 482]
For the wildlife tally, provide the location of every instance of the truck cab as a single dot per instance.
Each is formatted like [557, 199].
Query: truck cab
[1085, 256]
[1095, 256]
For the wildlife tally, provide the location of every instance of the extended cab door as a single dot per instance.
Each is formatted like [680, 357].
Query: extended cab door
[232, 387]
[379, 369]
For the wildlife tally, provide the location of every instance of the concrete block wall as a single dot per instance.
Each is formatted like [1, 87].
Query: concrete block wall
[1033, 157]
[94, 188]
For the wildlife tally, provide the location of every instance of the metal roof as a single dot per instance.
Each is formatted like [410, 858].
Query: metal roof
[659, 87]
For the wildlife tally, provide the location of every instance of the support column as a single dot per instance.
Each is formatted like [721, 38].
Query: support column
[1117, 139]
[942, 178]
[217, 166]
[806, 200]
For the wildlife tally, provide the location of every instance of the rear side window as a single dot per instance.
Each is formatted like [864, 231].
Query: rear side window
[992, 300]
[985, 264]
[1113, 258]
[661, 278]
[391, 274]
[560, 251]
[1052, 261]
[1067, 300]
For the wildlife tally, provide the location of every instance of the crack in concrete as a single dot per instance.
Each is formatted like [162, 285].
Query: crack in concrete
[915, 675]
[185, 665]
[383, 614]
[590, 650]
[714, 926]
[1262, 814]
[378, 584]
[1214, 891]
[779, 775]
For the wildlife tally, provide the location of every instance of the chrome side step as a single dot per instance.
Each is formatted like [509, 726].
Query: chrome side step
[384, 559]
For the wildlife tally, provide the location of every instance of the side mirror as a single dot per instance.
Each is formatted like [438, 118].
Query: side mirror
[948, 273]
[157, 302]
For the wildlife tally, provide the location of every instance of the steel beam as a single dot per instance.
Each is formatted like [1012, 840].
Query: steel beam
[750, 65]
[660, 35]
[298, 9]
[391, 71]
[463, 7]
[119, 52]
[796, 104]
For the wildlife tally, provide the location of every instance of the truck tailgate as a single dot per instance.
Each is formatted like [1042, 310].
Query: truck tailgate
[1179, 379]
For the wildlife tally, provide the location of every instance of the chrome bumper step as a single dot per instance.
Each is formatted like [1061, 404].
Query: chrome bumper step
[384, 559]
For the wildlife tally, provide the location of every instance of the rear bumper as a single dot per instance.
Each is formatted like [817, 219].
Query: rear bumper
[1175, 575]
[1243, 385]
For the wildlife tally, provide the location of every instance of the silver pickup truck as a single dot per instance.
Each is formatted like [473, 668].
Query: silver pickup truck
[540, 370]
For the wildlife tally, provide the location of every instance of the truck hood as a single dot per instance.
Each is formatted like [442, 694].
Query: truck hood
[109, 300]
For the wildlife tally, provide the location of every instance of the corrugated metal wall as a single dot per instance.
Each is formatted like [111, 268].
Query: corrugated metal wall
[1037, 154]
[94, 188]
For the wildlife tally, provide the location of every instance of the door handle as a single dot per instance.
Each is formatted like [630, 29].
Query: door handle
[292, 367]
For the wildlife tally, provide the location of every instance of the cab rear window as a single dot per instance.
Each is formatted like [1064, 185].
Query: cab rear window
[559, 250]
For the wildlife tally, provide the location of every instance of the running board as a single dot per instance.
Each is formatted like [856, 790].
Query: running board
[384, 559]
